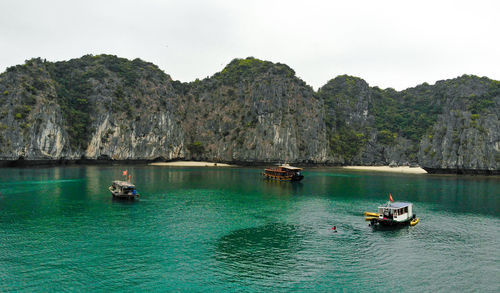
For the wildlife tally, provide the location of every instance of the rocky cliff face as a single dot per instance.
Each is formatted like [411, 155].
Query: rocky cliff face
[466, 136]
[99, 107]
[253, 111]
[31, 121]
[361, 125]
[449, 127]
[104, 107]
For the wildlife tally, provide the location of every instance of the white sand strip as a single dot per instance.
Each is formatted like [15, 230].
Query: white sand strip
[402, 169]
[190, 164]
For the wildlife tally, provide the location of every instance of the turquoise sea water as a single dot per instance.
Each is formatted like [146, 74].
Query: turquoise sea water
[209, 229]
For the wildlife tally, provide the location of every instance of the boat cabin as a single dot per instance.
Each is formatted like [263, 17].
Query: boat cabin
[396, 211]
[123, 189]
[284, 172]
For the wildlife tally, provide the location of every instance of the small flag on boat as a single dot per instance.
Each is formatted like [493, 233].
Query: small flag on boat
[390, 197]
[125, 173]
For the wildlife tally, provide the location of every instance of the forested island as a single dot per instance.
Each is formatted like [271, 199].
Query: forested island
[106, 108]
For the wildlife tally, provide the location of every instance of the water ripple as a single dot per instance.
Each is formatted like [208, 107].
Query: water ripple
[210, 230]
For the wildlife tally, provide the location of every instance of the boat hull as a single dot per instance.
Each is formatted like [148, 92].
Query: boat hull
[388, 222]
[283, 178]
[127, 196]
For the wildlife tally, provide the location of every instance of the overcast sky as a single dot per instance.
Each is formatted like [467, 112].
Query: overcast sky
[389, 43]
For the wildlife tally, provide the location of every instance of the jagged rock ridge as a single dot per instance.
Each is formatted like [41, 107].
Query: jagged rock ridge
[253, 111]
[451, 126]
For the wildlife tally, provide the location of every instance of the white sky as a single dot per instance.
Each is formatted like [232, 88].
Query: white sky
[389, 43]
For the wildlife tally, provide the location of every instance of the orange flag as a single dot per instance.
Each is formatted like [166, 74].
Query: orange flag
[390, 197]
[125, 173]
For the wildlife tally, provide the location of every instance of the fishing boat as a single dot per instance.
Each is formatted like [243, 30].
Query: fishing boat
[283, 172]
[393, 214]
[123, 189]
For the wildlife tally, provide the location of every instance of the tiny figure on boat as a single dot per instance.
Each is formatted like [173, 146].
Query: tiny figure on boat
[334, 229]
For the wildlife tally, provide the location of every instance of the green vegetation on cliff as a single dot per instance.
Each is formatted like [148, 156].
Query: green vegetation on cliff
[76, 81]
[243, 69]
[343, 96]
[408, 114]
[358, 115]
[252, 110]
[73, 89]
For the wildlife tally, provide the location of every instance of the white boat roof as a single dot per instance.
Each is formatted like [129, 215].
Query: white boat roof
[289, 167]
[396, 205]
[124, 183]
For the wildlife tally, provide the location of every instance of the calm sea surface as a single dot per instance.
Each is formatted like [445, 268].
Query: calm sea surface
[209, 229]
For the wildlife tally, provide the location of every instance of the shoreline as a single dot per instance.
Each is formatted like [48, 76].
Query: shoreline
[44, 163]
[401, 169]
[190, 164]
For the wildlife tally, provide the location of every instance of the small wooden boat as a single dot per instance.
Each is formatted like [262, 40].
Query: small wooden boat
[123, 189]
[283, 172]
[393, 214]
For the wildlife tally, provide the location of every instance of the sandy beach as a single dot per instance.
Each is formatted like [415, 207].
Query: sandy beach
[402, 169]
[191, 164]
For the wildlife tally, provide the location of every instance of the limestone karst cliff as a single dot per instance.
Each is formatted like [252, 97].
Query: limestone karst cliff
[452, 126]
[253, 111]
[92, 107]
[466, 136]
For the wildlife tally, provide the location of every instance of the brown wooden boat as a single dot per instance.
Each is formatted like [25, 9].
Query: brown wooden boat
[283, 172]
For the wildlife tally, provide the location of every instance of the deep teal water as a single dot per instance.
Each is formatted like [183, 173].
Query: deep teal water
[206, 229]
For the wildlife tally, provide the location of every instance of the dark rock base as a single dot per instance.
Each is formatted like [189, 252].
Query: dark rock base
[461, 171]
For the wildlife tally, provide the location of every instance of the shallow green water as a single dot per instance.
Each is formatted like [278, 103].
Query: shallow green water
[201, 229]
